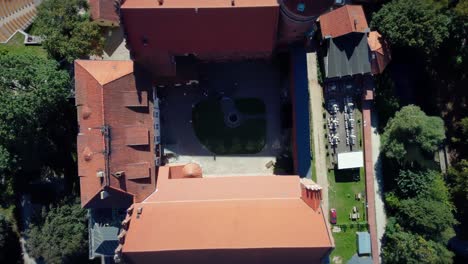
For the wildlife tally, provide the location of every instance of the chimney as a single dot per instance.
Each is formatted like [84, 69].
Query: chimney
[311, 193]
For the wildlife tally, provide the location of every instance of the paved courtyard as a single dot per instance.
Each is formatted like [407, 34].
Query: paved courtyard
[236, 80]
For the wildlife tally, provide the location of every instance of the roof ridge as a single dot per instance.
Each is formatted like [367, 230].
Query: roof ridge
[221, 200]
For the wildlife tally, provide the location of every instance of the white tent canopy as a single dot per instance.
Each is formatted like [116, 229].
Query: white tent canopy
[350, 160]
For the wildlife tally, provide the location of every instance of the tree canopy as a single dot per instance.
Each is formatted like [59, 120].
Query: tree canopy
[415, 24]
[411, 127]
[406, 248]
[61, 236]
[458, 181]
[411, 184]
[68, 30]
[33, 96]
[427, 217]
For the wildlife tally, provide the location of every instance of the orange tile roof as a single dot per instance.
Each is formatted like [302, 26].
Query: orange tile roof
[101, 95]
[234, 212]
[106, 71]
[226, 224]
[240, 187]
[381, 52]
[344, 20]
[103, 9]
[198, 3]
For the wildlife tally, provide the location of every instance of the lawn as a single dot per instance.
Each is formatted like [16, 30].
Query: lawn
[250, 106]
[342, 190]
[247, 138]
[16, 46]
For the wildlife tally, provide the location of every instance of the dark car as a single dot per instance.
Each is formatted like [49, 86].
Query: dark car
[333, 216]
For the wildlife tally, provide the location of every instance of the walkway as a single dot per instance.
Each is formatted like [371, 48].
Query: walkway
[369, 168]
[316, 102]
[381, 217]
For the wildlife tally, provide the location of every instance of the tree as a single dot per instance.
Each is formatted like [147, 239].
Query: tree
[62, 235]
[415, 24]
[10, 251]
[33, 111]
[458, 182]
[68, 30]
[405, 248]
[427, 217]
[412, 128]
[412, 184]
[386, 103]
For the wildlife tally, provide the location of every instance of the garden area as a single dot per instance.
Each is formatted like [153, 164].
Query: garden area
[344, 187]
[16, 46]
[230, 126]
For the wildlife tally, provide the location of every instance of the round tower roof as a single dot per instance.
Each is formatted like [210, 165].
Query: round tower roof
[192, 170]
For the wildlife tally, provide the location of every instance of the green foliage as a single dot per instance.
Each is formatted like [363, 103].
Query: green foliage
[458, 182]
[68, 31]
[33, 96]
[429, 218]
[9, 243]
[386, 103]
[415, 24]
[4, 227]
[61, 236]
[406, 248]
[31, 87]
[463, 127]
[411, 184]
[411, 127]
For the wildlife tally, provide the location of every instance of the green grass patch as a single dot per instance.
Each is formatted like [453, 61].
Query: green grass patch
[16, 46]
[210, 129]
[343, 186]
[250, 106]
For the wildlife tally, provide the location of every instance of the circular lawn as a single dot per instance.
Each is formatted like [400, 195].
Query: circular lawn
[222, 138]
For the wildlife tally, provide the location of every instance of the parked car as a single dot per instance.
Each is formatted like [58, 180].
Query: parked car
[333, 216]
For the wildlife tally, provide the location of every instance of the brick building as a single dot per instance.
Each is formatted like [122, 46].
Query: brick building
[172, 213]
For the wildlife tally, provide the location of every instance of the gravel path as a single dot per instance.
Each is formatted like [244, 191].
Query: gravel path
[316, 102]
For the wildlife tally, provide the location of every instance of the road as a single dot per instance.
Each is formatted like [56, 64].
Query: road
[316, 102]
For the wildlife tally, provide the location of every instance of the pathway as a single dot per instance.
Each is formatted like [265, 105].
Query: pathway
[369, 169]
[316, 102]
[381, 217]
[26, 212]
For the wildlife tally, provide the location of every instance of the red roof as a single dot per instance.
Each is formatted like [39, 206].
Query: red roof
[208, 29]
[104, 10]
[236, 212]
[381, 52]
[344, 20]
[116, 161]
[243, 212]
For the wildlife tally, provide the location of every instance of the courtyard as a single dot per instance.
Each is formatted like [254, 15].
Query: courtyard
[229, 122]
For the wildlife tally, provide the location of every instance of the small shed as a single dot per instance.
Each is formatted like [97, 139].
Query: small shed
[364, 243]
